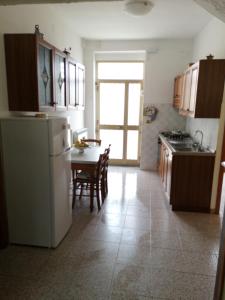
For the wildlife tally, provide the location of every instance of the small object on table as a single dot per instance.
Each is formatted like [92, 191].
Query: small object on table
[80, 146]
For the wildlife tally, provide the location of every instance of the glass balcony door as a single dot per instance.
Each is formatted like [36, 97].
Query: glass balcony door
[118, 118]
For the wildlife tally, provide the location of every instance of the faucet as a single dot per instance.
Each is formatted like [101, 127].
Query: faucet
[196, 132]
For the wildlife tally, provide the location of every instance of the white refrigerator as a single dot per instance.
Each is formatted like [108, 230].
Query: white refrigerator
[36, 166]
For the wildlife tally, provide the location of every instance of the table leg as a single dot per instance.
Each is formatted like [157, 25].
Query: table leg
[91, 196]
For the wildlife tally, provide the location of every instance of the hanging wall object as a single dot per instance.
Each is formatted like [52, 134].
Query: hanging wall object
[150, 112]
[37, 31]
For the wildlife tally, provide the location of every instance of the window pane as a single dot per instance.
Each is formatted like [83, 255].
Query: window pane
[115, 138]
[132, 144]
[134, 103]
[112, 103]
[120, 70]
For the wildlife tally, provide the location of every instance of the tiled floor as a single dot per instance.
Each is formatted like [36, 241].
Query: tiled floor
[135, 248]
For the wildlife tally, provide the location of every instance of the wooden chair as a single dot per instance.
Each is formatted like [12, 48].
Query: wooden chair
[94, 142]
[104, 178]
[92, 181]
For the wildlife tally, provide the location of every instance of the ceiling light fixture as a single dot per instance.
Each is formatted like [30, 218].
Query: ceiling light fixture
[138, 7]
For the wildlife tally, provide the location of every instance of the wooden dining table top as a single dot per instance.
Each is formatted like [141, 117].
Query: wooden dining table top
[89, 156]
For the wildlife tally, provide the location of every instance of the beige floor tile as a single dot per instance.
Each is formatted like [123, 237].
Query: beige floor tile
[135, 248]
[135, 237]
[106, 233]
[123, 295]
[84, 293]
[178, 285]
[59, 269]
[138, 210]
[94, 251]
[200, 242]
[23, 261]
[165, 239]
[137, 222]
[188, 262]
[168, 259]
[117, 208]
[117, 220]
[96, 276]
[13, 288]
[132, 279]
[134, 254]
[200, 263]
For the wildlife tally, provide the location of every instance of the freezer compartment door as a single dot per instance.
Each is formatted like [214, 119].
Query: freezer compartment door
[59, 136]
[61, 198]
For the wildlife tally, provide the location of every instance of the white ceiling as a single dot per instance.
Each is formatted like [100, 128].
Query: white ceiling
[108, 20]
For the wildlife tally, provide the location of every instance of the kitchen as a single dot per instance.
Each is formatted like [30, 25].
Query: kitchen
[171, 55]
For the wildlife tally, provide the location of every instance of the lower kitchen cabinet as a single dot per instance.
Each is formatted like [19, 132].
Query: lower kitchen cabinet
[187, 179]
[165, 168]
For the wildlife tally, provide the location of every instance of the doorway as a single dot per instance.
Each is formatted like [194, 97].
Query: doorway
[119, 90]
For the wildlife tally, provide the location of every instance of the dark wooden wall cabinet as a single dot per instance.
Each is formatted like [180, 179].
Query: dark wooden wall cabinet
[187, 179]
[39, 77]
[200, 92]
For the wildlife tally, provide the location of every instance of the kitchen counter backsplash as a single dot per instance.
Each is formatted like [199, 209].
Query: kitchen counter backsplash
[209, 127]
[167, 119]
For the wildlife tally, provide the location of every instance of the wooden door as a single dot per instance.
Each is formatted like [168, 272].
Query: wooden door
[193, 90]
[161, 161]
[186, 91]
[219, 292]
[178, 90]
[220, 179]
[169, 173]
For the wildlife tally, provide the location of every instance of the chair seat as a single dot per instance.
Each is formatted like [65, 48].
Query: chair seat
[84, 175]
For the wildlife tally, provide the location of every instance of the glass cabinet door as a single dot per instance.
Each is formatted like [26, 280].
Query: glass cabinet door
[72, 84]
[60, 77]
[45, 76]
[80, 86]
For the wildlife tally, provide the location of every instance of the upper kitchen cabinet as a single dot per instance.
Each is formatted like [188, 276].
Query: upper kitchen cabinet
[80, 86]
[177, 93]
[202, 91]
[36, 74]
[76, 83]
[60, 64]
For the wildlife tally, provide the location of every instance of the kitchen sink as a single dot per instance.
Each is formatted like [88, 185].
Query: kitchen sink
[188, 147]
[181, 147]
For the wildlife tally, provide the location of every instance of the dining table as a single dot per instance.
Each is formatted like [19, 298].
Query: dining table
[85, 161]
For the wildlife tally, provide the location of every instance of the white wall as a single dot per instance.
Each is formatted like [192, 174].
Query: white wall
[57, 31]
[211, 40]
[164, 60]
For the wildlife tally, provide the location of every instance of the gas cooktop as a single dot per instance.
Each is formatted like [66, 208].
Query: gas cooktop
[175, 134]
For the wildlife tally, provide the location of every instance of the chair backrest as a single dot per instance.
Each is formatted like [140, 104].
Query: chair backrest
[107, 150]
[92, 141]
[105, 160]
[101, 164]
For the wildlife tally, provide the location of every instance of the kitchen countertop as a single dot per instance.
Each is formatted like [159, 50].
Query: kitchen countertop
[185, 152]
